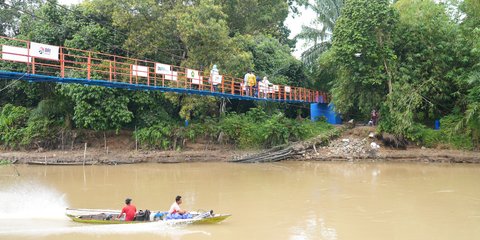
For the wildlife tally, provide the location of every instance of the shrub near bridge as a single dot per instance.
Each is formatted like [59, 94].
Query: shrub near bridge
[20, 127]
[255, 130]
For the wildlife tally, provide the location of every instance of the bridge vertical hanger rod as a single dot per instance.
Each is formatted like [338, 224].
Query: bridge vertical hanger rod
[136, 75]
[89, 62]
[29, 63]
[115, 67]
[148, 76]
[131, 71]
[62, 63]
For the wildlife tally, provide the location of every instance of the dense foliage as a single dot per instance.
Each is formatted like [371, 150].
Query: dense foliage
[416, 61]
[236, 36]
[253, 129]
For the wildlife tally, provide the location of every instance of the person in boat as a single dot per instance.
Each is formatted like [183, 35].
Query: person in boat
[129, 210]
[175, 208]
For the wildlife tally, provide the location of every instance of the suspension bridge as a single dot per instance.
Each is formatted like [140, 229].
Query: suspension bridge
[37, 62]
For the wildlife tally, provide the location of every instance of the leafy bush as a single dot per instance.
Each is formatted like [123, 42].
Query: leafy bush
[447, 136]
[12, 120]
[20, 127]
[158, 136]
[255, 129]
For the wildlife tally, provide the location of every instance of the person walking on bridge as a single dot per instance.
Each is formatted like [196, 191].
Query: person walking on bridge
[213, 76]
[251, 84]
[245, 81]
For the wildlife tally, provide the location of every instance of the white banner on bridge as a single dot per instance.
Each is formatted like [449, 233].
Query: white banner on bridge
[141, 71]
[44, 51]
[17, 54]
[171, 76]
[193, 74]
[197, 81]
[217, 79]
[287, 89]
[161, 68]
[276, 88]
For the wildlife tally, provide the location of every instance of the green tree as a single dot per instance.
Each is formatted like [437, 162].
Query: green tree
[424, 43]
[98, 108]
[255, 16]
[204, 31]
[327, 11]
[362, 41]
[273, 59]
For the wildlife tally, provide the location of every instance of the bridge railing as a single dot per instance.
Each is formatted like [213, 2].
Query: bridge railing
[30, 57]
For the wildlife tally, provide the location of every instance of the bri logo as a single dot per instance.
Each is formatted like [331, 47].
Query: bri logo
[45, 51]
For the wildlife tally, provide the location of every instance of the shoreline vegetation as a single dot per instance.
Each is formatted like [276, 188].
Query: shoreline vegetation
[343, 144]
[416, 69]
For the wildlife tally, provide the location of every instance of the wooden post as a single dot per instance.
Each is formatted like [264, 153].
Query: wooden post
[84, 153]
[233, 86]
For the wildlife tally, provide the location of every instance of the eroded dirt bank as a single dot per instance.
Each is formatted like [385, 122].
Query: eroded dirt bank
[353, 145]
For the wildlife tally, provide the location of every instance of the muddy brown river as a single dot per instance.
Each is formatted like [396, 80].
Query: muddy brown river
[289, 200]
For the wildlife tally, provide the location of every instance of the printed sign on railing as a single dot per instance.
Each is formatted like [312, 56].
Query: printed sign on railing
[217, 79]
[140, 71]
[197, 81]
[163, 68]
[18, 54]
[276, 88]
[171, 76]
[193, 74]
[287, 89]
[44, 51]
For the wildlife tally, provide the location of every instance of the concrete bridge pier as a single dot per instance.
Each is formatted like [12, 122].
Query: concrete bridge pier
[319, 110]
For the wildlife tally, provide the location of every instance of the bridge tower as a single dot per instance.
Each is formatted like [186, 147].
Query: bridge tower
[319, 110]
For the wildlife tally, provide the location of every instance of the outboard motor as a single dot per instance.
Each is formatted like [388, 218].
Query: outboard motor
[142, 215]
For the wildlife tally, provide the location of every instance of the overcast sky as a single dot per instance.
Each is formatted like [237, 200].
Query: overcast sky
[293, 23]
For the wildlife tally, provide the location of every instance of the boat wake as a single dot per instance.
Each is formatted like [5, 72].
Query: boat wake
[32, 209]
[55, 227]
[30, 200]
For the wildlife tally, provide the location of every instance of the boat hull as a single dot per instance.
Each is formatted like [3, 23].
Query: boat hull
[95, 216]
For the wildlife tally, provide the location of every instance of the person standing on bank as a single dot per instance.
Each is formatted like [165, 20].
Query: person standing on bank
[129, 210]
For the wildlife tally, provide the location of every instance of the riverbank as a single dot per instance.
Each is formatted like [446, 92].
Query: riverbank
[353, 145]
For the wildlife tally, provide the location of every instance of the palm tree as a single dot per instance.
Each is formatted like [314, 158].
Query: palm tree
[327, 12]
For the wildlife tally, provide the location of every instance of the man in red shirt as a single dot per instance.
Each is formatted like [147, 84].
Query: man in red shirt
[129, 210]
